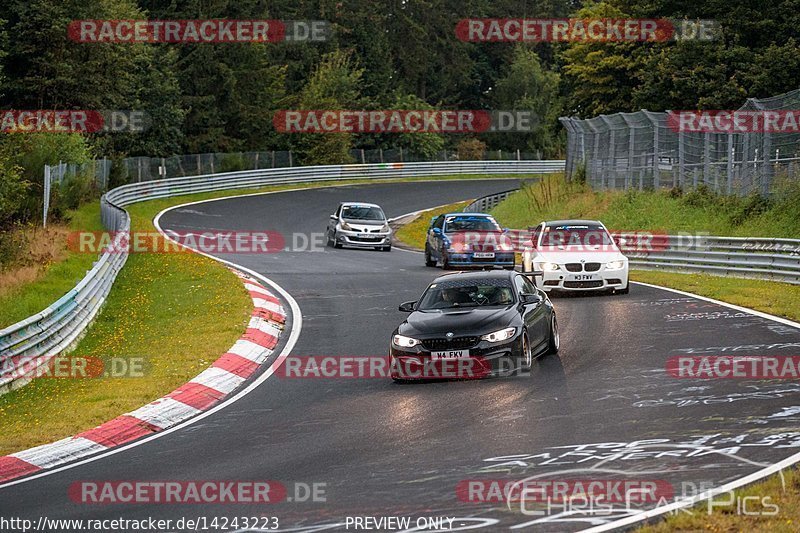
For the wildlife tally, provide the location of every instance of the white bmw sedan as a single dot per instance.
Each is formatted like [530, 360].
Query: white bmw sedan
[576, 255]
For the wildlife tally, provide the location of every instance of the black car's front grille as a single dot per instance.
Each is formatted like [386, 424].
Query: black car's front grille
[574, 267]
[583, 284]
[592, 267]
[456, 343]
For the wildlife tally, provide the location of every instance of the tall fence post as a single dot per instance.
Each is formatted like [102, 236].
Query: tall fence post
[46, 199]
[706, 158]
[656, 151]
[611, 165]
[631, 151]
[766, 167]
[681, 158]
[729, 169]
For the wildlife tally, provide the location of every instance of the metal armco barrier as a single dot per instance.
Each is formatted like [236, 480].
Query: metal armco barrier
[486, 203]
[31, 343]
[744, 257]
[770, 259]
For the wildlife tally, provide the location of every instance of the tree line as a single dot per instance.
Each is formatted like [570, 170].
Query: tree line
[394, 54]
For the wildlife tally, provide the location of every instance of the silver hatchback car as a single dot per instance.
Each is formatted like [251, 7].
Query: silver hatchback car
[360, 225]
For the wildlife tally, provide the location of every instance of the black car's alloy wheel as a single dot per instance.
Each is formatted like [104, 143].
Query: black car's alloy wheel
[527, 356]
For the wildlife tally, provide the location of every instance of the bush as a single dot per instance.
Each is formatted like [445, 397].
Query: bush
[12, 243]
[73, 192]
[117, 175]
[579, 176]
[701, 197]
[471, 150]
[747, 208]
[232, 163]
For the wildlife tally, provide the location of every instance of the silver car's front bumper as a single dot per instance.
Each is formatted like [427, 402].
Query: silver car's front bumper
[361, 239]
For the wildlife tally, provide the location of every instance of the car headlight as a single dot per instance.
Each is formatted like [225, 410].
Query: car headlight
[459, 247]
[385, 228]
[501, 335]
[547, 267]
[404, 342]
[345, 226]
[615, 265]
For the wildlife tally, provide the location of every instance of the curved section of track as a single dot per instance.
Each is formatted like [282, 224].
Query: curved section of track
[605, 402]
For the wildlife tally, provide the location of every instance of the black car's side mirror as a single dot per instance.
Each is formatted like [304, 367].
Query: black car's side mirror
[530, 299]
[407, 307]
[437, 231]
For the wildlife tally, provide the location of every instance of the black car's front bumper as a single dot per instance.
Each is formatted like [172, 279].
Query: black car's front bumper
[485, 359]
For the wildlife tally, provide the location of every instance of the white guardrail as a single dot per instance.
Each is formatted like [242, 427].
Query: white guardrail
[31, 343]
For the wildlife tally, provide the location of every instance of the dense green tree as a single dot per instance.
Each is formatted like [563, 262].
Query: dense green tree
[527, 86]
[334, 84]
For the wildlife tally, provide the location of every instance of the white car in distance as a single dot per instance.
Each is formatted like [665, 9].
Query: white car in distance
[576, 255]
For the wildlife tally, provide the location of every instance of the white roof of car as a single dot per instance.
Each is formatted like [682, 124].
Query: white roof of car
[363, 204]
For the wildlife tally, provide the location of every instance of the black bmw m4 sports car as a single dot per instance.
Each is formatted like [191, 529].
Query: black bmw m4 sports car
[471, 325]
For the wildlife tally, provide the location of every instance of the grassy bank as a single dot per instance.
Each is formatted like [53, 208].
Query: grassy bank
[30, 288]
[414, 232]
[663, 211]
[155, 296]
[723, 518]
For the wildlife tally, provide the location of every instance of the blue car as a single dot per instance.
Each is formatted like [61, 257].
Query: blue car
[459, 240]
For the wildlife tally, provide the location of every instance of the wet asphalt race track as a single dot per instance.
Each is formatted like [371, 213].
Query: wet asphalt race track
[387, 449]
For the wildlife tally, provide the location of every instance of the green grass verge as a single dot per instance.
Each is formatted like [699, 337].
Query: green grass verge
[179, 312]
[59, 277]
[723, 518]
[414, 232]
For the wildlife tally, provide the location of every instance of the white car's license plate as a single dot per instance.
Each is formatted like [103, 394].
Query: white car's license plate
[584, 277]
[450, 354]
[483, 255]
[364, 235]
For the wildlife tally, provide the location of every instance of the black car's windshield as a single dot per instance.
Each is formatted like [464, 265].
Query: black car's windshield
[362, 212]
[470, 223]
[576, 235]
[467, 293]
